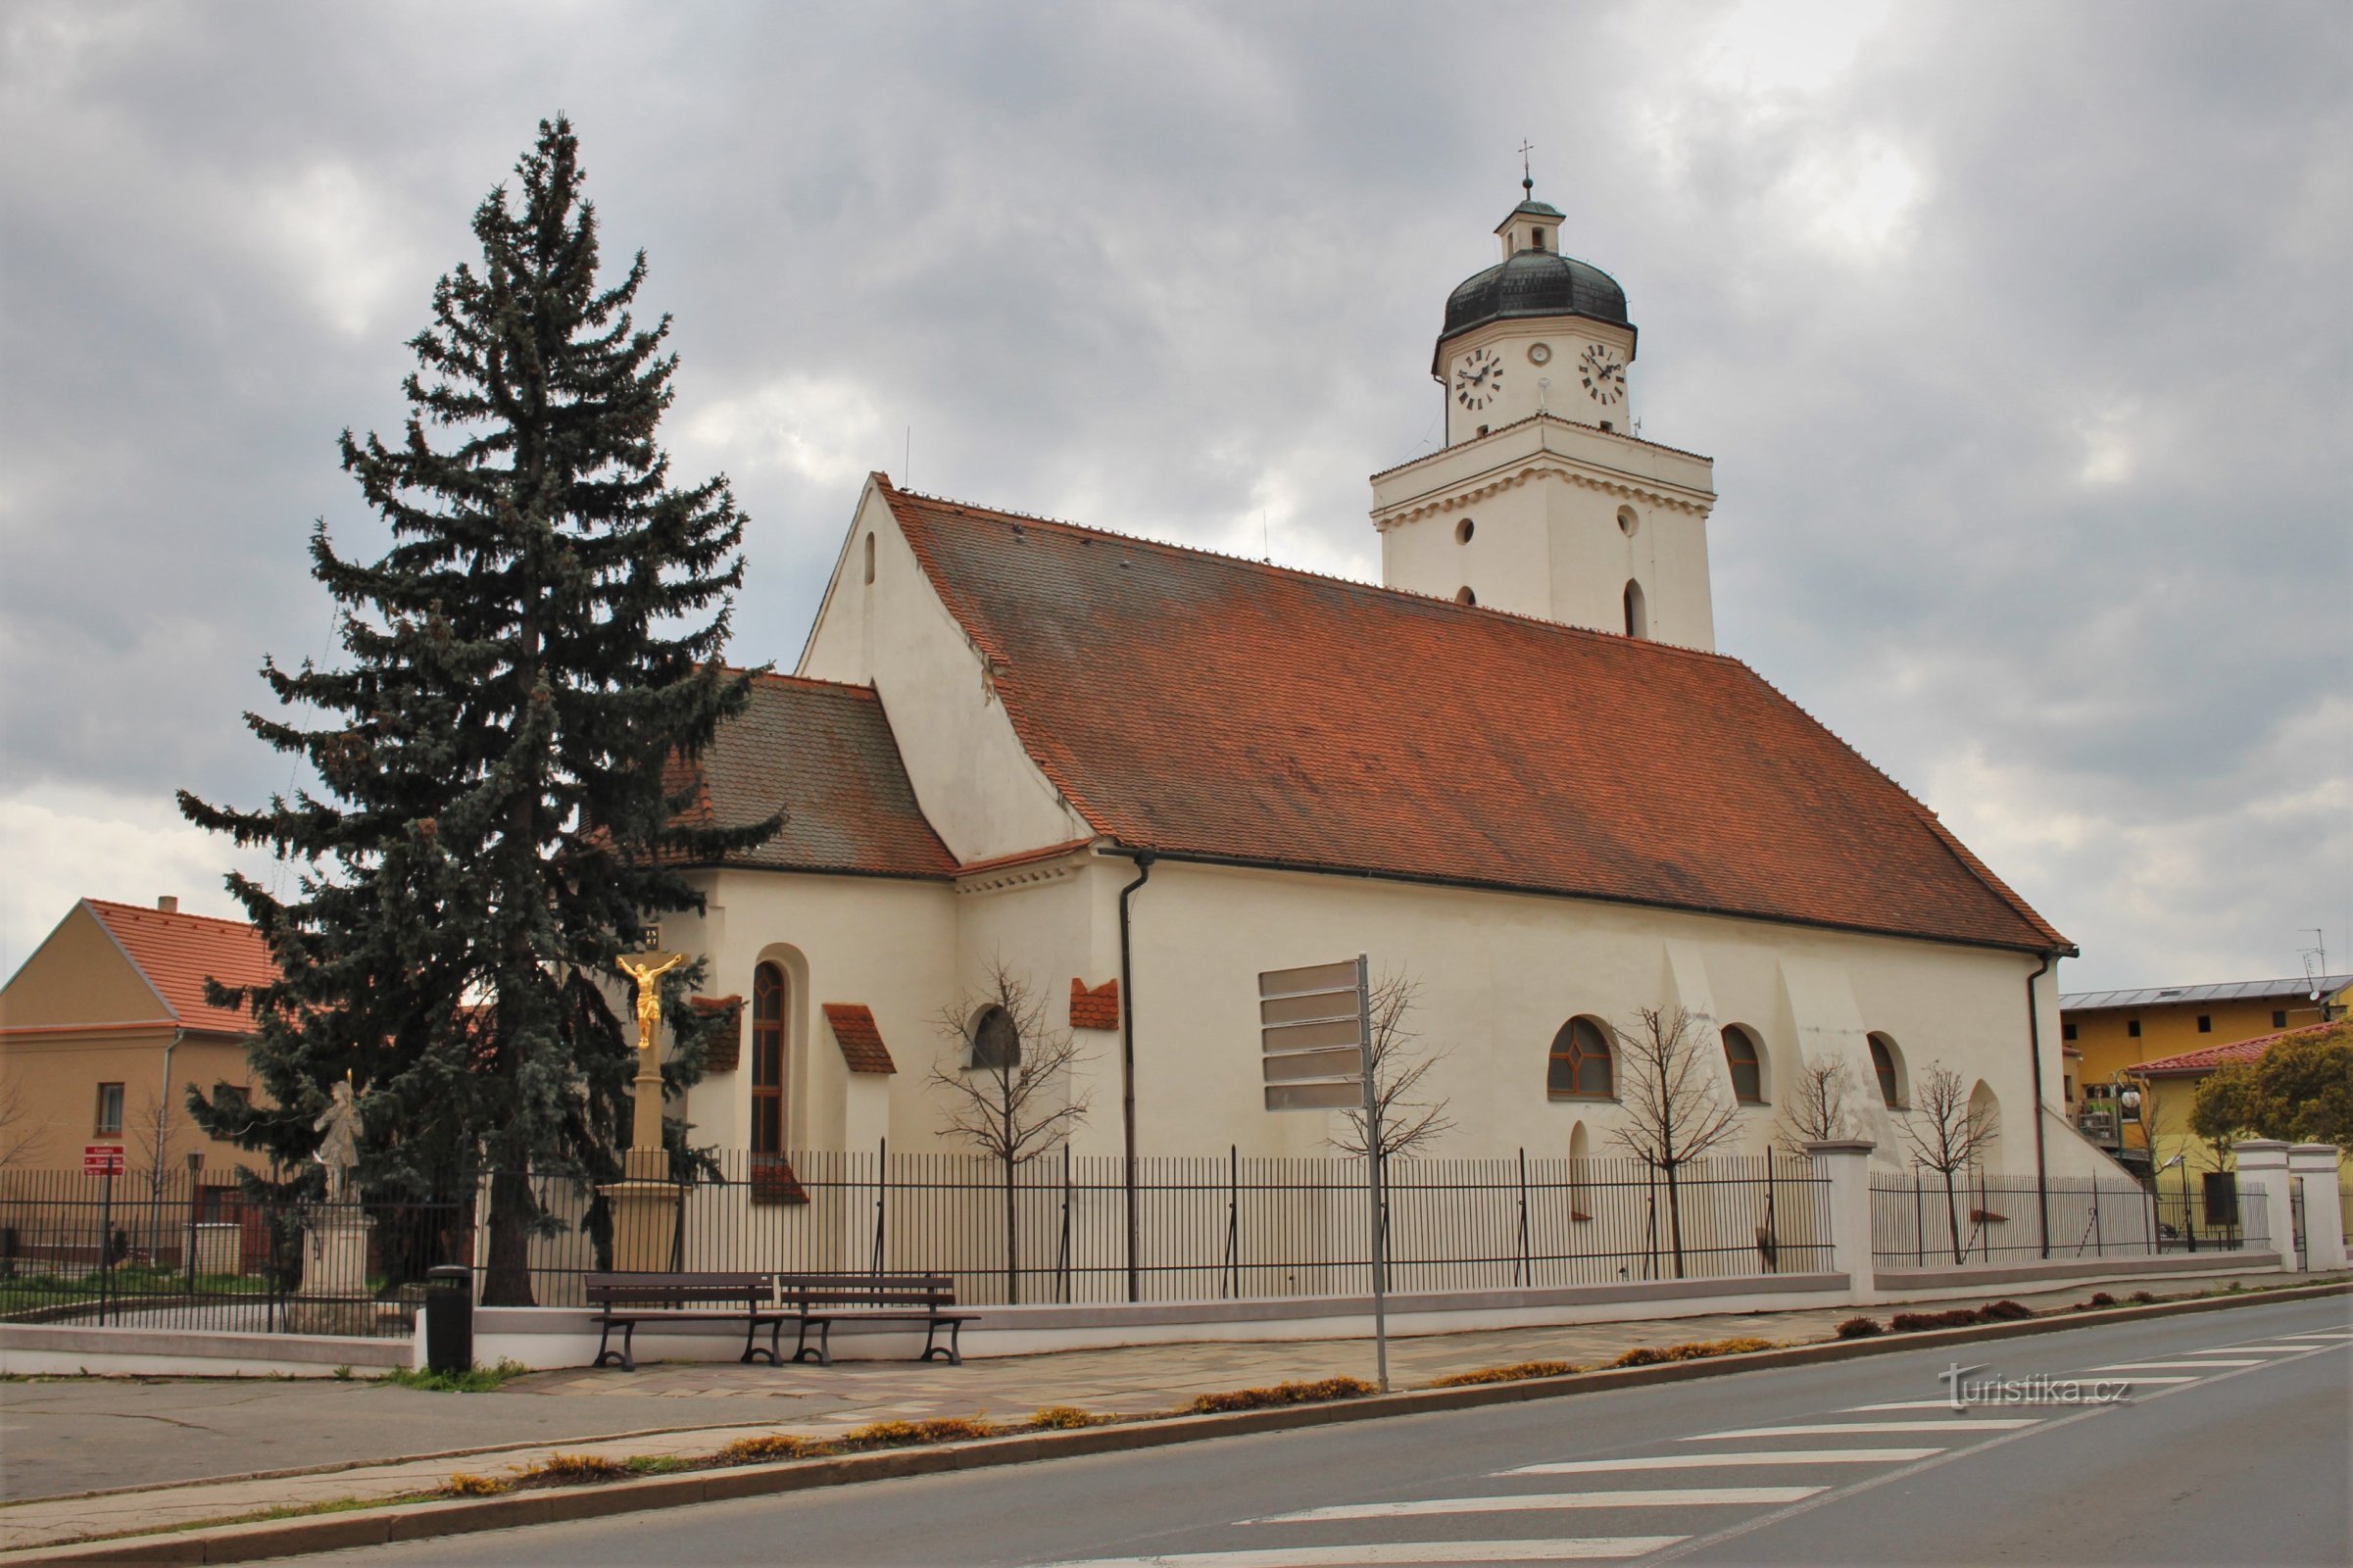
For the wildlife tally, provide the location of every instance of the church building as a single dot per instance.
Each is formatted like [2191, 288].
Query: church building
[1516, 773]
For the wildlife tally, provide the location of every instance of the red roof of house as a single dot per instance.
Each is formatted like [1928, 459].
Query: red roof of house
[823, 753]
[2208, 1057]
[860, 1039]
[177, 952]
[1198, 705]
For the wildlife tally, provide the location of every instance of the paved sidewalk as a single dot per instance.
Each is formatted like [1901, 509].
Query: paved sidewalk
[168, 1451]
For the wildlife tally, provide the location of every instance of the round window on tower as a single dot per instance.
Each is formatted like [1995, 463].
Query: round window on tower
[1628, 521]
[1463, 532]
[1464, 596]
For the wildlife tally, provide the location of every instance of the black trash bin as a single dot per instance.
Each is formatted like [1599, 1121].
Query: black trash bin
[450, 1318]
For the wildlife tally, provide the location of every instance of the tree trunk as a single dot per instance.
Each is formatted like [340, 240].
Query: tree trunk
[1952, 1218]
[507, 1278]
[1012, 1235]
[1674, 1219]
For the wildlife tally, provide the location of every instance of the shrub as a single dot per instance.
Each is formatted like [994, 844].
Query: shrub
[576, 1469]
[1861, 1328]
[770, 1447]
[1062, 1418]
[1914, 1322]
[1656, 1356]
[462, 1484]
[1282, 1393]
[2097, 1299]
[2141, 1297]
[1507, 1374]
[907, 1434]
[2005, 1311]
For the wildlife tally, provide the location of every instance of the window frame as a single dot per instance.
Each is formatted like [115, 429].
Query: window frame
[771, 995]
[982, 1055]
[1580, 1055]
[1886, 1069]
[1755, 1064]
[98, 1113]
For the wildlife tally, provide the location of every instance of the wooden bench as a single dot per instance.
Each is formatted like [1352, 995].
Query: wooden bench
[625, 1301]
[820, 1301]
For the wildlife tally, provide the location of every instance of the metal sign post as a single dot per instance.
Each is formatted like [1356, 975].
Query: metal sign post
[1372, 1175]
[1316, 1041]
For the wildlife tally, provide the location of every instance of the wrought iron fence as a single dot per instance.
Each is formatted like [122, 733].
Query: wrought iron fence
[1230, 1227]
[167, 1250]
[1917, 1220]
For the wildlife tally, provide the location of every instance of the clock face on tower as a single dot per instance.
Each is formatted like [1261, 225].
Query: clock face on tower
[1604, 374]
[1478, 378]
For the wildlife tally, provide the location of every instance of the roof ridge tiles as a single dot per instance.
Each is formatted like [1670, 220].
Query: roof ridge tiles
[1206, 553]
[170, 914]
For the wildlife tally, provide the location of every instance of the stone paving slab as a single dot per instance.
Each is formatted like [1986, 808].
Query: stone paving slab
[106, 1422]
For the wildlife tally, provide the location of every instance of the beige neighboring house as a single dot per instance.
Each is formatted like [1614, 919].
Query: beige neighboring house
[105, 1028]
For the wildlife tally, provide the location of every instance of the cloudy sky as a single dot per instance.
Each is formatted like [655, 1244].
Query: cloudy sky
[2017, 332]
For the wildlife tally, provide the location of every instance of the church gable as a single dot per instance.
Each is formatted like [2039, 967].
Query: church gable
[1203, 706]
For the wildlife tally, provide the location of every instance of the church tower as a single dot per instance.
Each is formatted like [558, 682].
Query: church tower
[1544, 502]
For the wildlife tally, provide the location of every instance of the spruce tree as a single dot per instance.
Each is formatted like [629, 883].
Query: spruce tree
[499, 810]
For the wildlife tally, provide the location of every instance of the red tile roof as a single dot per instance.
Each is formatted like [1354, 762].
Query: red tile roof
[860, 1041]
[1198, 705]
[723, 1047]
[1097, 1009]
[825, 753]
[177, 952]
[2208, 1057]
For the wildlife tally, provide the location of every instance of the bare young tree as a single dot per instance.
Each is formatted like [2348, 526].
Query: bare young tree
[1816, 1111]
[1410, 1118]
[1675, 1107]
[1010, 1086]
[20, 1128]
[153, 1135]
[1947, 1132]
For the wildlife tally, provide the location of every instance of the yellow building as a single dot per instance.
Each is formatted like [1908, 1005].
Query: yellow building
[2109, 1033]
[105, 1028]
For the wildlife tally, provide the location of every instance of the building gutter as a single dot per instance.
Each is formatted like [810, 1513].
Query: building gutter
[1127, 1063]
[2043, 1175]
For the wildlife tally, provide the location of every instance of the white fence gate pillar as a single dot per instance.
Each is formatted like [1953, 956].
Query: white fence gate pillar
[1846, 1165]
[2313, 1166]
[2263, 1179]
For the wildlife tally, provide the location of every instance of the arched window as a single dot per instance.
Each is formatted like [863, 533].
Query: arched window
[995, 1039]
[1637, 616]
[1747, 1064]
[768, 990]
[1580, 1067]
[870, 558]
[1464, 596]
[1883, 1068]
[1465, 529]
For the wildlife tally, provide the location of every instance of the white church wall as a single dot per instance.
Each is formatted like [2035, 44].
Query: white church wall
[1501, 973]
[886, 942]
[977, 784]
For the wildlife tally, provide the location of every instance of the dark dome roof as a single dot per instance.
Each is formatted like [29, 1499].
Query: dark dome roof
[1535, 284]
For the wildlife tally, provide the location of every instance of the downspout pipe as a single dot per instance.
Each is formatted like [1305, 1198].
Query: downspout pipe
[2042, 1177]
[1127, 1068]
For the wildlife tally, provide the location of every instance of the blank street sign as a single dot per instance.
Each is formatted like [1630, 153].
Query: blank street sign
[1311, 1036]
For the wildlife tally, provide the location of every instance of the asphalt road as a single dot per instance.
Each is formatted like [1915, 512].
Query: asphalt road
[2234, 1446]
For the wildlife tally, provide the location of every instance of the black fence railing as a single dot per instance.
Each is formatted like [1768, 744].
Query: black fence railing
[1231, 1227]
[1918, 1221]
[168, 1250]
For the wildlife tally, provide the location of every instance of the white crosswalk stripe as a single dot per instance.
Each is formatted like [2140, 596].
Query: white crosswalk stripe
[2249, 1350]
[1861, 1429]
[1384, 1555]
[2173, 1366]
[1698, 1462]
[1547, 1501]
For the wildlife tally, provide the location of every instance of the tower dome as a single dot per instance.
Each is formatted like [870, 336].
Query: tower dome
[1532, 279]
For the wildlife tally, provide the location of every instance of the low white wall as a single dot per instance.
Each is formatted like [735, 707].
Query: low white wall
[1943, 1283]
[32, 1349]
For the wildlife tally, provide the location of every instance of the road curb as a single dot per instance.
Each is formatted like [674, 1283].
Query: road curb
[379, 1526]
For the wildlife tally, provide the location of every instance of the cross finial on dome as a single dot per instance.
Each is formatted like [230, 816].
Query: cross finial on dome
[1527, 180]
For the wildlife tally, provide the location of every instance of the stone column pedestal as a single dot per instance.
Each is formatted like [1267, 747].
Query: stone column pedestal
[2313, 1167]
[2262, 1169]
[1846, 1166]
[645, 1202]
[333, 1297]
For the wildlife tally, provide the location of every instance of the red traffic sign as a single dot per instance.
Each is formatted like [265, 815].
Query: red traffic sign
[102, 1160]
